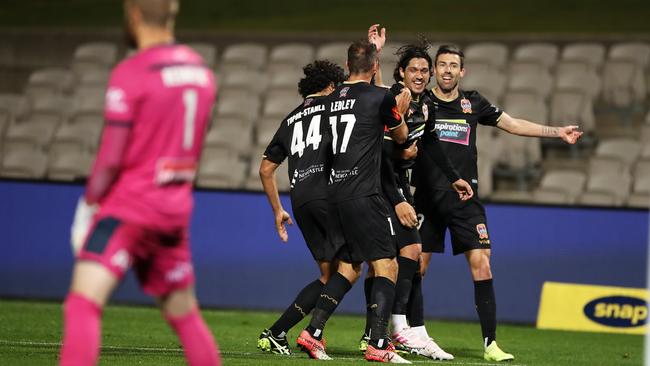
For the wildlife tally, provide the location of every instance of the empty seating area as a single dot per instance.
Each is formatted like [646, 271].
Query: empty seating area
[51, 128]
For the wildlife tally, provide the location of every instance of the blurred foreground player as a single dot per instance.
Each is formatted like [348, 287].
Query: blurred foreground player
[302, 140]
[458, 112]
[138, 200]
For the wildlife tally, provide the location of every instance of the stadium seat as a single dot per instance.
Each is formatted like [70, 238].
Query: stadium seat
[282, 177]
[243, 56]
[265, 129]
[33, 133]
[15, 106]
[88, 101]
[485, 177]
[615, 185]
[480, 67]
[336, 52]
[538, 83]
[627, 150]
[493, 53]
[93, 79]
[642, 168]
[510, 196]
[525, 105]
[23, 163]
[569, 107]
[519, 152]
[593, 54]
[53, 107]
[92, 56]
[76, 137]
[551, 196]
[233, 133]
[527, 67]
[250, 81]
[639, 200]
[69, 166]
[645, 132]
[389, 55]
[49, 81]
[576, 77]
[285, 80]
[545, 54]
[220, 172]
[637, 52]
[232, 106]
[645, 151]
[640, 196]
[569, 181]
[597, 198]
[290, 56]
[207, 51]
[280, 104]
[607, 164]
[623, 83]
[491, 85]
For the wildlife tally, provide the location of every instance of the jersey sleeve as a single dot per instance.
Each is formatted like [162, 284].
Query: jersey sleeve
[119, 111]
[276, 151]
[488, 113]
[389, 115]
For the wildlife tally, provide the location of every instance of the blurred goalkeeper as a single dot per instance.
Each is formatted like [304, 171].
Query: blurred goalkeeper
[137, 205]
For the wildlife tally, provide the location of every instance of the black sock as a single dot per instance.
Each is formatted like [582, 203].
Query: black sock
[328, 300]
[486, 308]
[301, 306]
[383, 295]
[405, 274]
[367, 290]
[415, 308]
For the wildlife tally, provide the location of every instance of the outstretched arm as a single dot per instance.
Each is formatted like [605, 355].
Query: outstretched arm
[522, 127]
[267, 175]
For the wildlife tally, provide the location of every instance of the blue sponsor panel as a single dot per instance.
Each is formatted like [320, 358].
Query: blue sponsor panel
[618, 311]
[240, 261]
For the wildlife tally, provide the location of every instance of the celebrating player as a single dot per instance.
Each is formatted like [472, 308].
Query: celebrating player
[413, 73]
[360, 228]
[300, 137]
[138, 200]
[457, 114]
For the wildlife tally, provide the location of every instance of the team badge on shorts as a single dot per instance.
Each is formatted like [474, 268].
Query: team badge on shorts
[466, 105]
[481, 229]
[344, 92]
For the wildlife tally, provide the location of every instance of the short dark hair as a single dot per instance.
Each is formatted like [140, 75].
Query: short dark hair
[318, 75]
[160, 13]
[454, 50]
[361, 56]
[407, 53]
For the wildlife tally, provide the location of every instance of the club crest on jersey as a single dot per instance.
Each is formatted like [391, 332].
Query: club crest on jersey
[425, 111]
[481, 229]
[466, 105]
[344, 92]
[307, 102]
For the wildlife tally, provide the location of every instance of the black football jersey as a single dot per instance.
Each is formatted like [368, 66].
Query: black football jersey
[455, 124]
[357, 114]
[303, 138]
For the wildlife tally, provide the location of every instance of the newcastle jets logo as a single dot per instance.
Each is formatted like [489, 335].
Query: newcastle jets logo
[344, 92]
[466, 105]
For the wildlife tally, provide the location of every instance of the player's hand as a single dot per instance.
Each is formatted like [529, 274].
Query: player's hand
[82, 219]
[406, 214]
[403, 101]
[377, 36]
[463, 189]
[411, 152]
[281, 217]
[570, 134]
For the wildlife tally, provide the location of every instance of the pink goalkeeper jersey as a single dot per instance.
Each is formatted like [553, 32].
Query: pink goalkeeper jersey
[158, 104]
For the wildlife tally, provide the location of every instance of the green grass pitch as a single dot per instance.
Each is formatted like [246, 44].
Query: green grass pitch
[30, 333]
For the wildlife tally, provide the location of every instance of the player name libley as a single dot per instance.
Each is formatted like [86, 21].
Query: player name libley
[341, 105]
[340, 175]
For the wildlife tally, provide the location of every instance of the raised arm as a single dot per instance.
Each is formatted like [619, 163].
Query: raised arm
[522, 127]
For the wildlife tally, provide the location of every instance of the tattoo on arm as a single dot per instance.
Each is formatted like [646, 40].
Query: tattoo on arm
[550, 131]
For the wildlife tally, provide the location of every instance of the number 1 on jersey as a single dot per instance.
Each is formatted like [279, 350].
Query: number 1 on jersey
[313, 136]
[190, 100]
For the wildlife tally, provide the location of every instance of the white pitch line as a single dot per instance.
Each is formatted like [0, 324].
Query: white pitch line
[227, 353]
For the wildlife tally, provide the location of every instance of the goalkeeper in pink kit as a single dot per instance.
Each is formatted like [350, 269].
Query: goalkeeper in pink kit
[137, 205]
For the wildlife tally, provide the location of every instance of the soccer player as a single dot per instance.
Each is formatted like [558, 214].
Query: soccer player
[413, 73]
[359, 224]
[300, 137]
[136, 208]
[457, 114]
